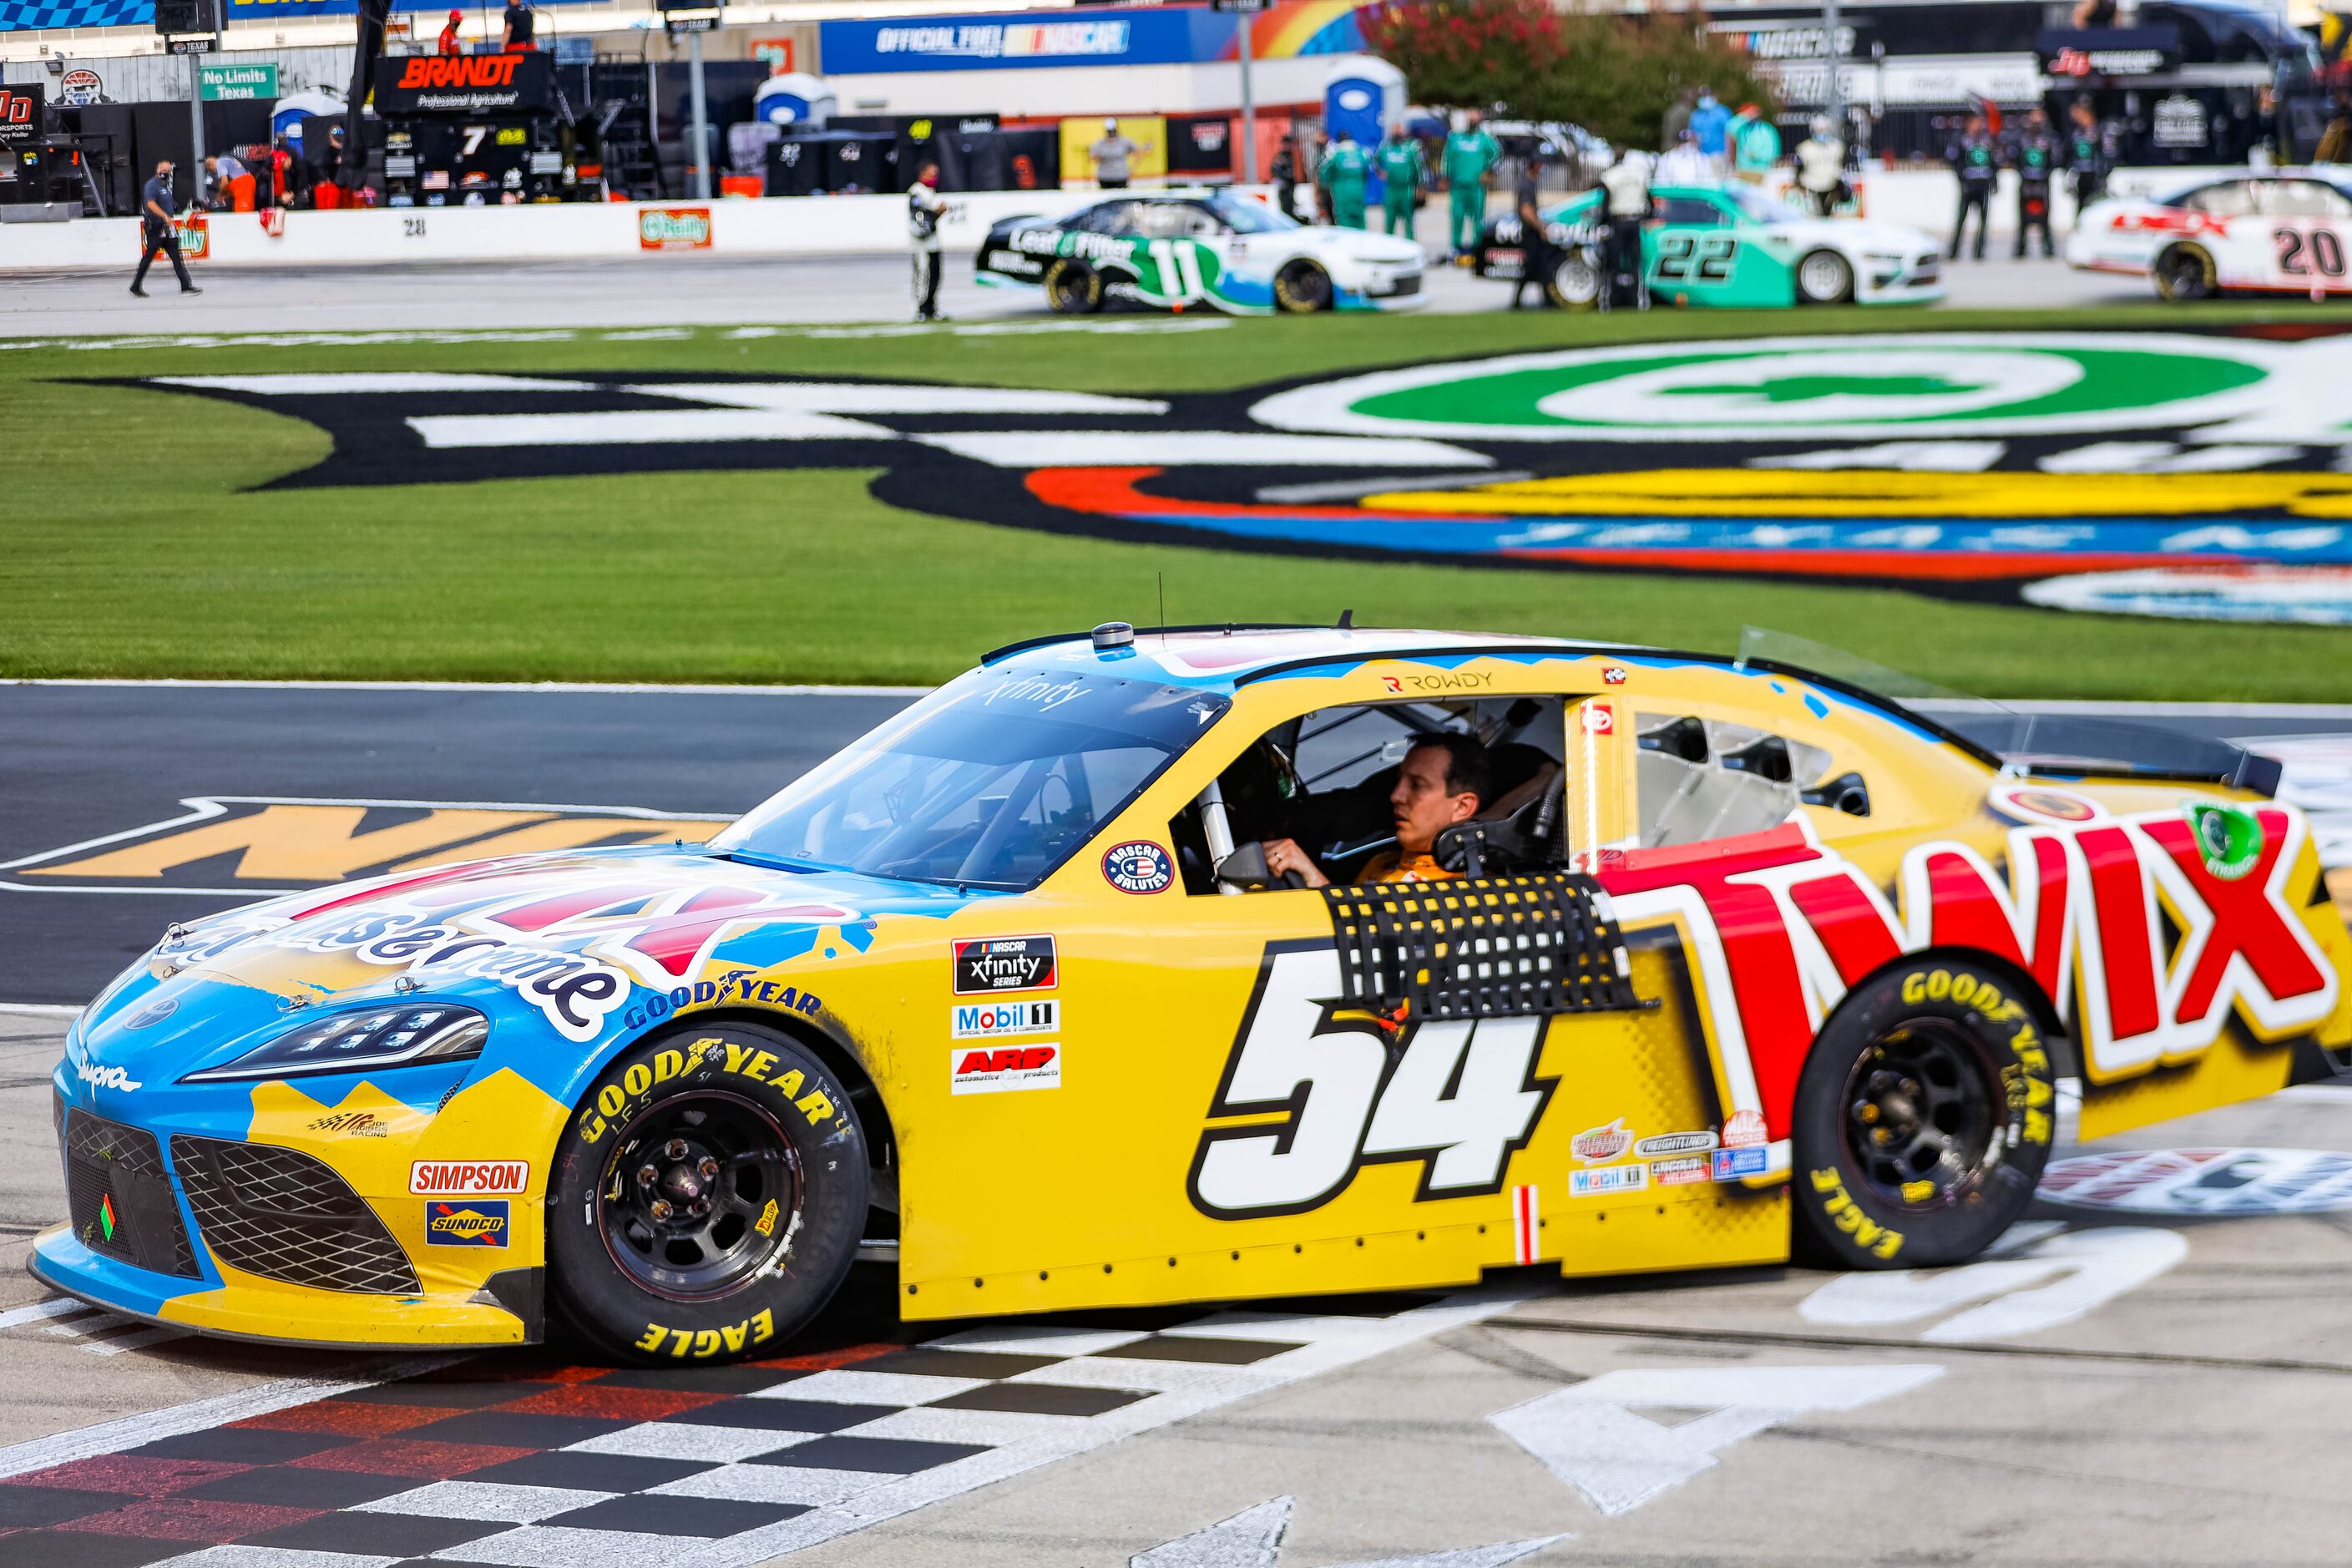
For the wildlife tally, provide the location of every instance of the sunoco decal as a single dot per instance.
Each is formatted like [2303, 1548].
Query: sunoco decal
[479, 1222]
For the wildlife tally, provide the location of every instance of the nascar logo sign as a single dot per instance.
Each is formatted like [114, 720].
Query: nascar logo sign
[674, 229]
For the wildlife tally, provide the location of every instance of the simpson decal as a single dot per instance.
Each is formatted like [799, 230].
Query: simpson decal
[1005, 964]
[466, 1223]
[1004, 1070]
[468, 1178]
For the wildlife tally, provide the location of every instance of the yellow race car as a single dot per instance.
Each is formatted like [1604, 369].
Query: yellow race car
[1207, 964]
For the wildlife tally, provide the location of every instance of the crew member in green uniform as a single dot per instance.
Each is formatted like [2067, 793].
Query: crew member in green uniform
[1470, 154]
[1402, 171]
[1343, 177]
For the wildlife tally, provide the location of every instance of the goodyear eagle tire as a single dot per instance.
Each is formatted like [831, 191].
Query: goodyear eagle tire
[1922, 1119]
[707, 1198]
[1301, 289]
[1574, 284]
[1073, 289]
[2185, 273]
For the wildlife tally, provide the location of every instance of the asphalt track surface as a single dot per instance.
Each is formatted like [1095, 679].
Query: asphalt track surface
[717, 291]
[2117, 1388]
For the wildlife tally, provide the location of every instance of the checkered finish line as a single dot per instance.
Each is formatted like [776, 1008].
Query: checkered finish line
[18, 15]
[713, 1466]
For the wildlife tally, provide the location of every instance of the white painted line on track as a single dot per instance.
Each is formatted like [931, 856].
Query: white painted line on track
[154, 1426]
[58, 1307]
[39, 1010]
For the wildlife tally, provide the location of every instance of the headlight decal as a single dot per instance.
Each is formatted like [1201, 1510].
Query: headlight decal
[361, 1041]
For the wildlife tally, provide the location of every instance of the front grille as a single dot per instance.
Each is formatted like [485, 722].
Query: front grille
[1409, 284]
[120, 1198]
[284, 1216]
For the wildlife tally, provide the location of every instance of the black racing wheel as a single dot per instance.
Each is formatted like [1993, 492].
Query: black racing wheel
[1073, 289]
[1824, 278]
[1575, 283]
[1302, 288]
[708, 1197]
[2185, 273]
[1924, 1117]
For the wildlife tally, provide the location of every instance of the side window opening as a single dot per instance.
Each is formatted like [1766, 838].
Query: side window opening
[1697, 779]
[1324, 782]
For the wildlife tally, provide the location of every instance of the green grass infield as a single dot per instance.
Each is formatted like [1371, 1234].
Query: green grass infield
[135, 543]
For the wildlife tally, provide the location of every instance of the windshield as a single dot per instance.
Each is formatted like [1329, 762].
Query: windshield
[1246, 216]
[989, 782]
[1757, 207]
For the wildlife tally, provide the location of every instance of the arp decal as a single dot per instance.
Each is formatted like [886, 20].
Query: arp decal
[252, 844]
[466, 1222]
[1459, 1097]
[1004, 1069]
[1973, 464]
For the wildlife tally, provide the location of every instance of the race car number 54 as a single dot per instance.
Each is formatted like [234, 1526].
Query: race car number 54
[1347, 1107]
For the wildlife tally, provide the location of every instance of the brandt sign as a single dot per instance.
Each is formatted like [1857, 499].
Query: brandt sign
[520, 83]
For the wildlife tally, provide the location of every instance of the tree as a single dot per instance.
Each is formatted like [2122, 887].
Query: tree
[1613, 74]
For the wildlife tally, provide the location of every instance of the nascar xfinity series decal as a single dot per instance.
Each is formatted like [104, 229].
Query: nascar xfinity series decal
[2164, 473]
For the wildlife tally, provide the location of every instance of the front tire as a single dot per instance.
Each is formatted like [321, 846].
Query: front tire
[1922, 1119]
[1302, 289]
[1575, 283]
[1073, 289]
[2185, 274]
[708, 1197]
[1824, 278]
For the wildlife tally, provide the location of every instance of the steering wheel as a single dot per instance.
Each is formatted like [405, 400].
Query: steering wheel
[1247, 867]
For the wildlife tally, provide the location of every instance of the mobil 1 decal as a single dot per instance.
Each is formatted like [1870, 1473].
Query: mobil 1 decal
[2183, 474]
[1459, 1096]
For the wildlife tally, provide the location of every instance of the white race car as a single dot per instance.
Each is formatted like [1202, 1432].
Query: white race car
[2266, 233]
[1170, 250]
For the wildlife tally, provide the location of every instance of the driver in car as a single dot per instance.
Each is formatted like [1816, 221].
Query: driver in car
[1444, 779]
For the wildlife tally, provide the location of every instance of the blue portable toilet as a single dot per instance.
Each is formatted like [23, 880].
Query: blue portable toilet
[287, 117]
[1364, 98]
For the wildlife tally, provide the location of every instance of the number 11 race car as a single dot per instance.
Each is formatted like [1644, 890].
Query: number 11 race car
[1708, 963]
[2249, 233]
[1170, 250]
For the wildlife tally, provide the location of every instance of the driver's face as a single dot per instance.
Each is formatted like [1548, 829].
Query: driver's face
[1420, 805]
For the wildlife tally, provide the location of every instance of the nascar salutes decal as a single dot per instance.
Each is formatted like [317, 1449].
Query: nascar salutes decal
[1004, 1070]
[1141, 867]
[454, 1178]
[988, 963]
[466, 1223]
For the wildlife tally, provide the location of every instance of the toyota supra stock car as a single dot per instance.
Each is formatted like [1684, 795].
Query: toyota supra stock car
[1202, 964]
[1727, 246]
[2251, 232]
[1171, 250]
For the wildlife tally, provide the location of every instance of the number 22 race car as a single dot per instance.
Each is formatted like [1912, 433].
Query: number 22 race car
[1171, 250]
[1715, 961]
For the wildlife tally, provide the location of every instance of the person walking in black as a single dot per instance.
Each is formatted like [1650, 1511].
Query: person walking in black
[2035, 157]
[925, 208]
[1976, 160]
[2086, 153]
[158, 236]
[1541, 257]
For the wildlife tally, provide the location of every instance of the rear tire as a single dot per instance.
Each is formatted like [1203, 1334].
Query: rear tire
[2185, 274]
[1073, 289]
[708, 1197]
[1824, 278]
[1302, 289]
[1574, 284]
[1922, 1119]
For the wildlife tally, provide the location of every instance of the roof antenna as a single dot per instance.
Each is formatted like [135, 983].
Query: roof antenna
[1161, 578]
[1347, 620]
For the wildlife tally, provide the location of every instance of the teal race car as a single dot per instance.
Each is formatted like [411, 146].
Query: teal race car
[1728, 247]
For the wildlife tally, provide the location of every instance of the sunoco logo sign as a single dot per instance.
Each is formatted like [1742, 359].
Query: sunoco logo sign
[674, 229]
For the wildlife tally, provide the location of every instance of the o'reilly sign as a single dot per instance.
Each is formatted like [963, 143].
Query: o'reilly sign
[226, 84]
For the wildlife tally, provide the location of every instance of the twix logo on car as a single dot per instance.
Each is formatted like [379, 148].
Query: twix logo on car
[987, 964]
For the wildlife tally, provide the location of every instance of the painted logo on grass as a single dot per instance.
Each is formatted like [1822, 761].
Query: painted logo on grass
[2151, 473]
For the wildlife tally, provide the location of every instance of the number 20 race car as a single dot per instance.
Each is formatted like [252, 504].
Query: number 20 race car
[1171, 250]
[1739, 959]
[2250, 234]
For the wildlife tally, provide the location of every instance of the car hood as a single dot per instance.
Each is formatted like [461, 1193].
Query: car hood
[1384, 249]
[565, 954]
[1860, 236]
